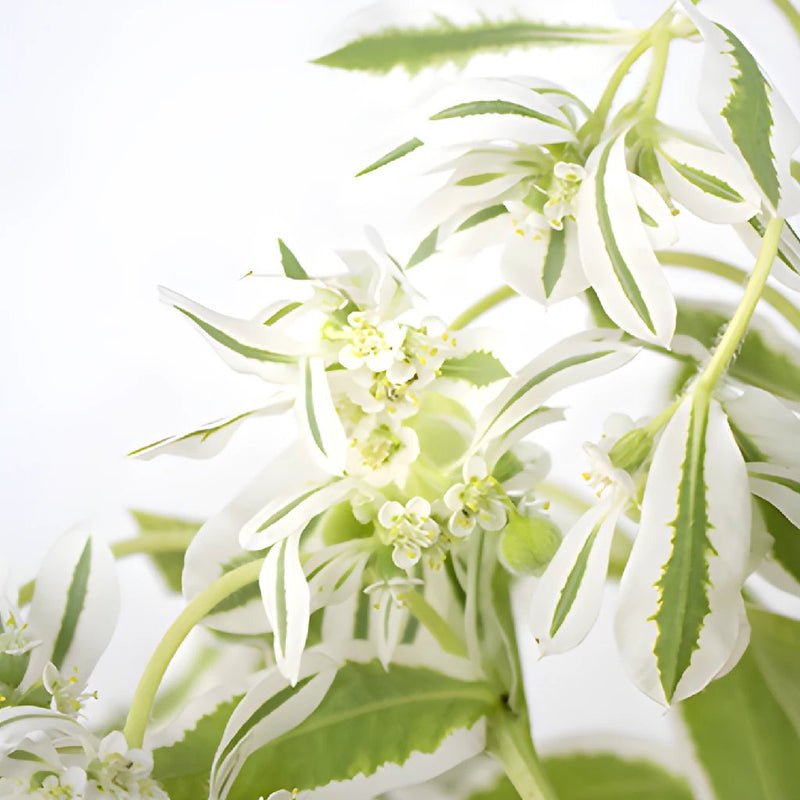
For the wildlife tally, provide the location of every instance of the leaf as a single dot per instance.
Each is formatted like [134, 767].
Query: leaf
[616, 253]
[369, 717]
[425, 249]
[170, 565]
[75, 606]
[478, 368]
[443, 42]
[745, 726]
[680, 607]
[786, 541]
[398, 152]
[291, 266]
[759, 362]
[778, 485]
[604, 776]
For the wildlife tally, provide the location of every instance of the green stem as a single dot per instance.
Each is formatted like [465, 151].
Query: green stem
[481, 307]
[790, 12]
[722, 269]
[195, 611]
[655, 77]
[436, 625]
[737, 327]
[509, 740]
[175, 542]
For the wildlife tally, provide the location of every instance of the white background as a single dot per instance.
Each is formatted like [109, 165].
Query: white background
[148, 143]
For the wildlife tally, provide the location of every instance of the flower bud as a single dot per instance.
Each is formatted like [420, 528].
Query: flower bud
[528, 543]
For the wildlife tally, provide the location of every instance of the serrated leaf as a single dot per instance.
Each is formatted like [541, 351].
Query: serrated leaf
[478, 368]
[291, 266]
[398, 152]
[744, 726]
[170, 565]
[680, 607]
[443, 42]
[368, 717]
[758, 363]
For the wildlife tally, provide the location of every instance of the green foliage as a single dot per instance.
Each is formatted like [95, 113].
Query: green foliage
[425, 249]
[368, 717]
[746, 726]
[785, 536]
[444, 42]
[758, 363]
[398, 152]
[478, 368]
[291, 266]
[169, 565]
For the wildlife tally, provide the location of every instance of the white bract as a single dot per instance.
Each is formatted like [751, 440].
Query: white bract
[408, 529]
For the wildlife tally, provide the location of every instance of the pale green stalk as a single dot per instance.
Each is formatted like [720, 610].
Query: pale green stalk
[153, 544]
[195, 611]
[435, 624]
[722, 269]
[481, 307]
[655, 77]
[508, 739]
[790, 12]
[737, 327]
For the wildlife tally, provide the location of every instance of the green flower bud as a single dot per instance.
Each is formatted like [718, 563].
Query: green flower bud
[630, 451]
[339, 525]
[528, 543]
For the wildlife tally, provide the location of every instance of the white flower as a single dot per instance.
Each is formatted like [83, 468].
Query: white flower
[380, 452]
[68, 695]
[476, 501]
[15, 637]
[371, 342]
[604, 477]
[409, 529]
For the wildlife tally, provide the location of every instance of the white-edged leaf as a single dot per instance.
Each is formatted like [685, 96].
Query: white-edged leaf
[707, 182]
[317, 419]
[568, 596]
[291, 512]
[654, 213]
[777, 485]
[387, 623]
[617, 256]
[210, 439]
[245, 345]
[573, 360]
[75, 606]
[747, 116]
[679, 614]
[546, 267]
[284, 591]
[17, 722]
[786, 267]
[268, 710]
[335, 573]
[216, 548]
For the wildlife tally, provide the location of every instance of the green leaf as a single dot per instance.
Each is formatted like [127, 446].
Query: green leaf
[183, 768]
[704, 181]
[291, 266]
[477, 107]
[76, 598]
[554, 260]
[744, 726]
[368, 717]
[484, 215]
[398, 152]
[425, 249]
[478, 368]
[604, 776]
[758, 363]
[749, 116]
[683, 585]
[444, 42]
[785, 536]
[169, 565]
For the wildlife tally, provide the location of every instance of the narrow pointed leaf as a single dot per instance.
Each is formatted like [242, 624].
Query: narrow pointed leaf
[398, 152]
[291, 266]
[679, 612]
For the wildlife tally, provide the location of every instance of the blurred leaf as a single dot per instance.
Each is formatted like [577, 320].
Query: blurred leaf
[478, 368]
[170, 565]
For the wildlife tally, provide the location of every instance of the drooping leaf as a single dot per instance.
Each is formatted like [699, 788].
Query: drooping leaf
[425, 249]
[291, 266]
[745, 725]
[478, 368]
[680, 608]
[369, 717]
[443, 42]
[170, 565]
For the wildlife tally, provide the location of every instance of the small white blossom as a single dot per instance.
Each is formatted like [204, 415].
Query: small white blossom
[476, 501]
[15, 638]
[380, 452]
[409, 529]
[371, 342]
[67, 692]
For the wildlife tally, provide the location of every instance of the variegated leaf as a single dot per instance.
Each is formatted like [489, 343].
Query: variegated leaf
[17, 722]
[617, 256]
[779, 486]
[786, 267]
[679, 615]
[270, 709]
[210, 439]
[747, 116]
[707, 182]
[290, 512]
[75, 606]
[245, 345]
[654, 213]
[573, 360]
[335, 573]
[284, 592]
[568, 597]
